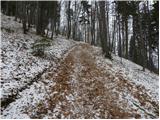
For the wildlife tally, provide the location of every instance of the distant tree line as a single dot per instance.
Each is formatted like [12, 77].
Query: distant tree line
[145, 38]
[127, 28]
[36, 14]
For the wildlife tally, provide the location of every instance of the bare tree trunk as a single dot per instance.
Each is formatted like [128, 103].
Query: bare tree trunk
[69, 20]
[126, 30]
[119, 44]
[85, 33]
[123, 37]
[88, 31]
[113, 35]
[107, 24]
[98, 42]
[93, 26]
[52, 28]
[103, 30]
[29, 15]
[38, 22]
[16, 12]
[24, 17]
[74, 22]
[142, 41]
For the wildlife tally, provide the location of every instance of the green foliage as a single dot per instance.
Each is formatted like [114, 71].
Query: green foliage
[7, 30]
[40, 46]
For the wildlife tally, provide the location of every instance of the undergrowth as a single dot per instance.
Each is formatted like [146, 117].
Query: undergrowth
[39, 47]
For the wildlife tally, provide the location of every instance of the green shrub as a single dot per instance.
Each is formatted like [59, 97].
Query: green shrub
[39, 47]
[7, 30]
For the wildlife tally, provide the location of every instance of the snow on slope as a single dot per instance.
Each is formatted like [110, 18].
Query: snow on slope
[19, 67]
[133, 72]
[142, 86]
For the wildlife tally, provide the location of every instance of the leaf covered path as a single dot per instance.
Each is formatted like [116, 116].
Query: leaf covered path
[83, 89]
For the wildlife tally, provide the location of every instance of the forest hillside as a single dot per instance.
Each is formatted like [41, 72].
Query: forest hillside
[49, 73]
[74, 81]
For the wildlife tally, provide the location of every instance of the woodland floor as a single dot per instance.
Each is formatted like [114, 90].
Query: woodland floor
[85, 90]
[81, 83]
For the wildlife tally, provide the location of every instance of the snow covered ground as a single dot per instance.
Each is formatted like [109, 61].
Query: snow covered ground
[19, 67]
[143, 87]
[133, 72]
[74, 80]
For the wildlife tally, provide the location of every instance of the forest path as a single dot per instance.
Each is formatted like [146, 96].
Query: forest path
[79, 84]
[84, 90]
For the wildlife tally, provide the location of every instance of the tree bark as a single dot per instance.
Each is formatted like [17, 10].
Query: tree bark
[103, 30]
[24, 17]
[126, 30]
[69, 20]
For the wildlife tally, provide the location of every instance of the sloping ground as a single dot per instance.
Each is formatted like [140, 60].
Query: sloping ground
[19, 67]
[134, 72]
[84, 86]
[85, 90]
[79, 83]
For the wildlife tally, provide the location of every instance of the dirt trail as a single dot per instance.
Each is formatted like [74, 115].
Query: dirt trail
[84, 90]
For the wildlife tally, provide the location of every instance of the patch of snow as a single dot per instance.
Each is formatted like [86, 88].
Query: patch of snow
[134, 72]
[60, 45]
[28, 98]
[19, 67]
[155, 59]
[131, 71]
